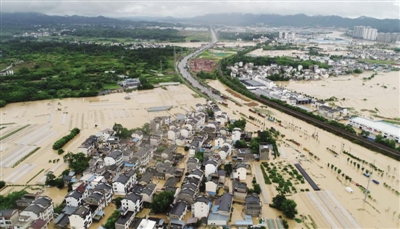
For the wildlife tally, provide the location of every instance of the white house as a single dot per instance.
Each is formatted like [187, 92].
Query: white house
[132, 202]
[114, 158]
[123, 182]
[137, 134]
[211, 187]
[144, 155]
[236, 133]
[173, 133]
[222, 119]
[137, 137]
[186, 131]
[201, 207]
[74, 199]
[81, 218]
[199, 107]
[181, 141]
[223, 207]
[219, 140]
[178, 211]
[89, 145]
[239, 171]
[125, 220]
[210, 167]
[197, 173]
[225, 151]
[107, 191]
[148, 192]
[41, 208]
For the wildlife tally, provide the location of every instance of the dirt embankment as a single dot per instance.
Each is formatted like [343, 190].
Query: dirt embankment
[198, 65]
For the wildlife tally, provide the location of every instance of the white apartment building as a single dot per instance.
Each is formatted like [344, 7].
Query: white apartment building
[81, 218]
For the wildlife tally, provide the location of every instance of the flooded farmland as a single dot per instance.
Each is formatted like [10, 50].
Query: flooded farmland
[379, 95]
[379, 210]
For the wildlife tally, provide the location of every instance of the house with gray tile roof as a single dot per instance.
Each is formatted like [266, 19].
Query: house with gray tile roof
[148, 192]
[132, 202]
[178, 211]
[41, 208]
[253, 205]
[125, 220]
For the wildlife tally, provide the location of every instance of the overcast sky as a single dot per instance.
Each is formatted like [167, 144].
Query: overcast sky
[185, 8]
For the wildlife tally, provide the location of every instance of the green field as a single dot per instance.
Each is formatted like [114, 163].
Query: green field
[216, 55]
[389, 62]
[194, 35]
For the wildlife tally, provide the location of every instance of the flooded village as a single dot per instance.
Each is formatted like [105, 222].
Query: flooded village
[198, 154]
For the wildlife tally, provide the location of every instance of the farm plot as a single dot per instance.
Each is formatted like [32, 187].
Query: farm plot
[337, 214]
[43, 178]
[19, 173]
[16, 135]
[14, 156]
[40, 134]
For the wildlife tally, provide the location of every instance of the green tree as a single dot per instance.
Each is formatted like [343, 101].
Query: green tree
[288, 208]
[50, 179]
[277, 201]
[8, 201]
[110, 224]
[77, 162]
[23, 71]
[285, 224]
[237, 124]
[60, 151]
[257, 188]
[240, 144]
[117, 201]
[161, 202]
[228, 169]
[2, 184]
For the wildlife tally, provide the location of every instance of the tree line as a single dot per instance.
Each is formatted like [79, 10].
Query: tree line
[64, 140]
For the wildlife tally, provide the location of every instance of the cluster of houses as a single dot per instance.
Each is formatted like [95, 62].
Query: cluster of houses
[254, 79]
[133, 168]
[373, 54]
[33, 212]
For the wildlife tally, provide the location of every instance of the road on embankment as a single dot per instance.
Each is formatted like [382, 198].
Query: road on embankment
[183, 65]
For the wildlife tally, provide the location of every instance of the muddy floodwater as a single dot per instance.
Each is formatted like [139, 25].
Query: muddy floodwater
[379, 211]
[379, 95]
[27, 155]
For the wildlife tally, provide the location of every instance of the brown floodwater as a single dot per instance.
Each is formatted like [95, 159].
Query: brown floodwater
[381, 93]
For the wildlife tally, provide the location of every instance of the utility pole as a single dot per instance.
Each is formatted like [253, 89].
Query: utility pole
[161, 66]
[366, 190]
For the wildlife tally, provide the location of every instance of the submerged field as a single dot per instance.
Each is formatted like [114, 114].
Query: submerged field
[379, 211]
[368, 97]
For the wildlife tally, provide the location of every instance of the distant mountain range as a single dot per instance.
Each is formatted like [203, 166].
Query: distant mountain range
[15, 20]
[29, 19]
[299, 20]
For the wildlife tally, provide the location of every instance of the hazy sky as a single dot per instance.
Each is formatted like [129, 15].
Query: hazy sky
[186, 8]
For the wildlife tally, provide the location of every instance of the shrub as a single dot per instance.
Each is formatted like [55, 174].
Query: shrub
[60, 151]
[64, 140]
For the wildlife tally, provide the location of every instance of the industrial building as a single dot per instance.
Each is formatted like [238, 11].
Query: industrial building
[387, 130]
